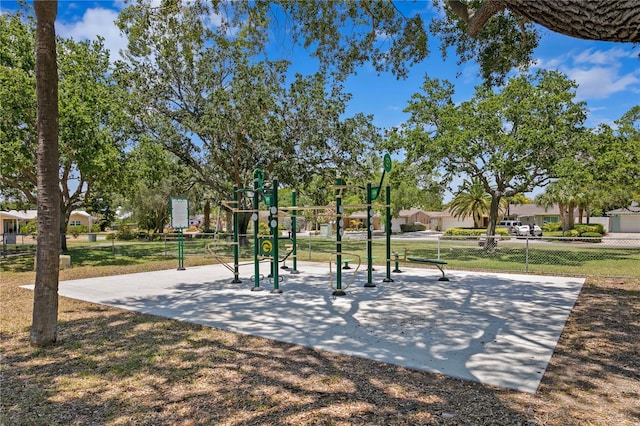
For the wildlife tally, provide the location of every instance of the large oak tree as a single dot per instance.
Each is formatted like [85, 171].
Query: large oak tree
[509, 141]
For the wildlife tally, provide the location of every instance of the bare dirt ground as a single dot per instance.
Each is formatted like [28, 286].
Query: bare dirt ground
[116, 367]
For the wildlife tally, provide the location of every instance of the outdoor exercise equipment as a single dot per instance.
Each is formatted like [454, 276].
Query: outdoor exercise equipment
[268, 247]
[339, 289]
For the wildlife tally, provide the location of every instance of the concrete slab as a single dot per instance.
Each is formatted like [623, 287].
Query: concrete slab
[497, 329]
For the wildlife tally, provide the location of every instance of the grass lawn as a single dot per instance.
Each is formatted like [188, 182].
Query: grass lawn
[116, 367]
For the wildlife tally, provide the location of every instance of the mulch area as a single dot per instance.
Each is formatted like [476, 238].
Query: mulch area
[117, 367]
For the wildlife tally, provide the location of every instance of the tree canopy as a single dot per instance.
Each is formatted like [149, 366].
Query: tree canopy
[210, 97]
[509, 140]
[90, 145]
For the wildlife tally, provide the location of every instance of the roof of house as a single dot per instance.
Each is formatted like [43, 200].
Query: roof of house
[523, 210]
[530, 210]
[410, 212]
[19, 214]
[633, 209]
[362, 214]
[32, 214]
[445, 213]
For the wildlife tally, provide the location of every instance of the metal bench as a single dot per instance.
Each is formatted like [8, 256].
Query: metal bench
[438, 263]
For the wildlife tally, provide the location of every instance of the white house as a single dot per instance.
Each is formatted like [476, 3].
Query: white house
[625, 219]
[10, 221]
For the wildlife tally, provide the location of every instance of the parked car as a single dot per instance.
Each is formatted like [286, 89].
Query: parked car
[536, 231]
[511, 225]
[523, 230]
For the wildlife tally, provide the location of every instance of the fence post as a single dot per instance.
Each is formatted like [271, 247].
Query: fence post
[526, 256]
[439, 247]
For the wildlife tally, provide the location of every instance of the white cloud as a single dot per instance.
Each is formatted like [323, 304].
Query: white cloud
[96, 22]
[599, 73]
[600, 82]
[602, 57]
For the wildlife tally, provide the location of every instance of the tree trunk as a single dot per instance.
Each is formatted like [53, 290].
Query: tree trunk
[207, 216]
[45, 297]
[491, 243]
[64, 221]
[570, 216]
[606, 20]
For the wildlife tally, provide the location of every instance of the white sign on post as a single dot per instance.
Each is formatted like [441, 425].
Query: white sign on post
[179, 213]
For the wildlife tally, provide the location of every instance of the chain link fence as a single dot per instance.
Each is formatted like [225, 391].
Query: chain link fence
[609, 256]
[606, 256]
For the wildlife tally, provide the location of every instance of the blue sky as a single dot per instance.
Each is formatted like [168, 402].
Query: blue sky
[608, 74]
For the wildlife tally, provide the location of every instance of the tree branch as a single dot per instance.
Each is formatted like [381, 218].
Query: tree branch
[475, 19]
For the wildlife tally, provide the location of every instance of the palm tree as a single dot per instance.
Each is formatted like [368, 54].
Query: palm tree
[472, 200]
[566, 196]
[45, 297]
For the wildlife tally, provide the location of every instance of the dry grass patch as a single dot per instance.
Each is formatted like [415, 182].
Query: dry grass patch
[116, 367]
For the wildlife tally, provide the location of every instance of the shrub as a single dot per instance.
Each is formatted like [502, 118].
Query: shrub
[552, 227]
[76, 230]
[572, 233]
[595, 237]
[553, 234]
[263, 229]
[594, 228]
[125, 232]
[30, 227]
[412, 227]
[474, 232]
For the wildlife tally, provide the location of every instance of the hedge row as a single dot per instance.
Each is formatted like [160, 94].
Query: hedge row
[581, 229]
[412, 227]
[473, 232]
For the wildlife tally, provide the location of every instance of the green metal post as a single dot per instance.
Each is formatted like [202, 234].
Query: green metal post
[339, 232]
[294, 232]
[180, 250]
[236, 245]
[256, 249]
[369, 237]
[387, 226]
[274, 234]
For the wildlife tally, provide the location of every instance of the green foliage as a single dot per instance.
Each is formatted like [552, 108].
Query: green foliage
[505, 42]
[473, 232]
[509, 140]
[595, 237]
[413, 187]
[412, 227]
[595, 228]
[90, 135]
[263, 229]
[244, 110]
[472, 200]
[31, 227]
[125, 233]
[552, 227]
